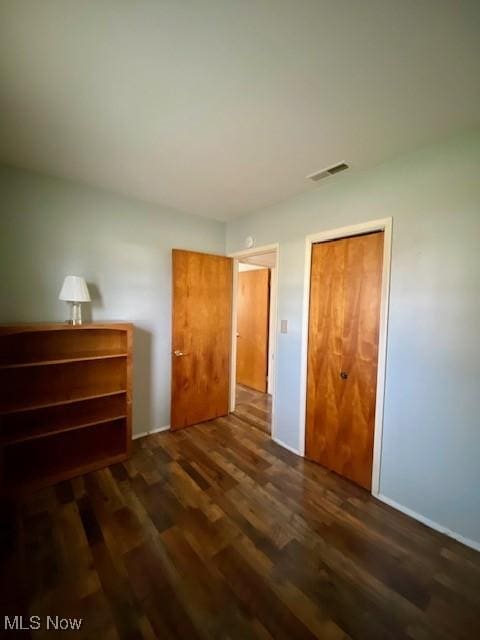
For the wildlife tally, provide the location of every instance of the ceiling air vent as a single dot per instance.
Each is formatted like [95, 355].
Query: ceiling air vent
[329, 171]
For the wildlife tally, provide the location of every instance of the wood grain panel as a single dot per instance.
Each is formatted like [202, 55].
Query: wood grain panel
[363, 284]
[253, 305]
[345, 295]
[217, 532]
[324, 349]
[201, 331]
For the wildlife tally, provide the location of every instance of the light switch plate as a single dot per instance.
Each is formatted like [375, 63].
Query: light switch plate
[284, 326]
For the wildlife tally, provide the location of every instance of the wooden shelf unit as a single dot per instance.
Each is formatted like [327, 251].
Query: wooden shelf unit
[65, 401]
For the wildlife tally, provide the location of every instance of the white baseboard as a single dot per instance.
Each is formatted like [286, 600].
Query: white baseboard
[286, 446]
[149, 433]
[430, 523]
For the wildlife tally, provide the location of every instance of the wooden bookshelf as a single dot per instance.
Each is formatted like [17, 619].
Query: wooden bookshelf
[65, 401]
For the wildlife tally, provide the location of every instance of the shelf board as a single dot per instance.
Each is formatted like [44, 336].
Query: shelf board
[53, 432]
[45, 405]
[84, 358]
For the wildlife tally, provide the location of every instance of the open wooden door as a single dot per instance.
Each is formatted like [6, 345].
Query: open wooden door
[201, 337]
[345, 296]
[252, 328]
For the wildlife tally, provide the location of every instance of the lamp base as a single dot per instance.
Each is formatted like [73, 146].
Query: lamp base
[75, 313]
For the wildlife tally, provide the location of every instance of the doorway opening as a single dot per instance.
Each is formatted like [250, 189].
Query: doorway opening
[254, 337]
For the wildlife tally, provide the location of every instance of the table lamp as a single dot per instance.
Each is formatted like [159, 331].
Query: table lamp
[75, 291]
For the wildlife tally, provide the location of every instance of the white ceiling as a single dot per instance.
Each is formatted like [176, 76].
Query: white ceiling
[242, 266]
[221, 107]
[266, 260]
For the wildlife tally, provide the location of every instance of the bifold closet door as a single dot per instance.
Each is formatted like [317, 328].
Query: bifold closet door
[345, 296]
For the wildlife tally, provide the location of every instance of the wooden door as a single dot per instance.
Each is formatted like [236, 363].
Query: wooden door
[345, 295]
[252, 328]
[201, 337]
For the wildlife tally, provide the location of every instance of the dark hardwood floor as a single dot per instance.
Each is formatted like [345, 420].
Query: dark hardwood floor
[217, 532]
[254, 407]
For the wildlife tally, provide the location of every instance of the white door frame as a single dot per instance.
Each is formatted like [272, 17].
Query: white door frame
[272, 329]
[384, 225]
[237, 255]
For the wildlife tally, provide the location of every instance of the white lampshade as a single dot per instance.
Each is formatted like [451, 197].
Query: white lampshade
[74, 289]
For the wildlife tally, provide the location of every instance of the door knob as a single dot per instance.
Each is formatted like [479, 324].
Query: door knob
[343, 375]
[178, 353]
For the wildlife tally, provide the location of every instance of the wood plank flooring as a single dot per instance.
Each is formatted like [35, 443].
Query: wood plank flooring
[254, 407]
[217, 532]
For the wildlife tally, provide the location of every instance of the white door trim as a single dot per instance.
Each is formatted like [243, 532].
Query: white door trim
[272, 321]
[384, 225]
[237, 255]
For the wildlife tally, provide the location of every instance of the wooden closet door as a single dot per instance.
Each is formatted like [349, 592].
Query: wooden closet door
[252, 328]
[345, 296]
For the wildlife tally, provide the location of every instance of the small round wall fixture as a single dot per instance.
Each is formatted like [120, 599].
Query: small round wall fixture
[249, 242]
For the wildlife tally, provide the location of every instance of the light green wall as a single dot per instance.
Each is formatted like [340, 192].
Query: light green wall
[430, 457]
[431, 443]
[50, 228]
